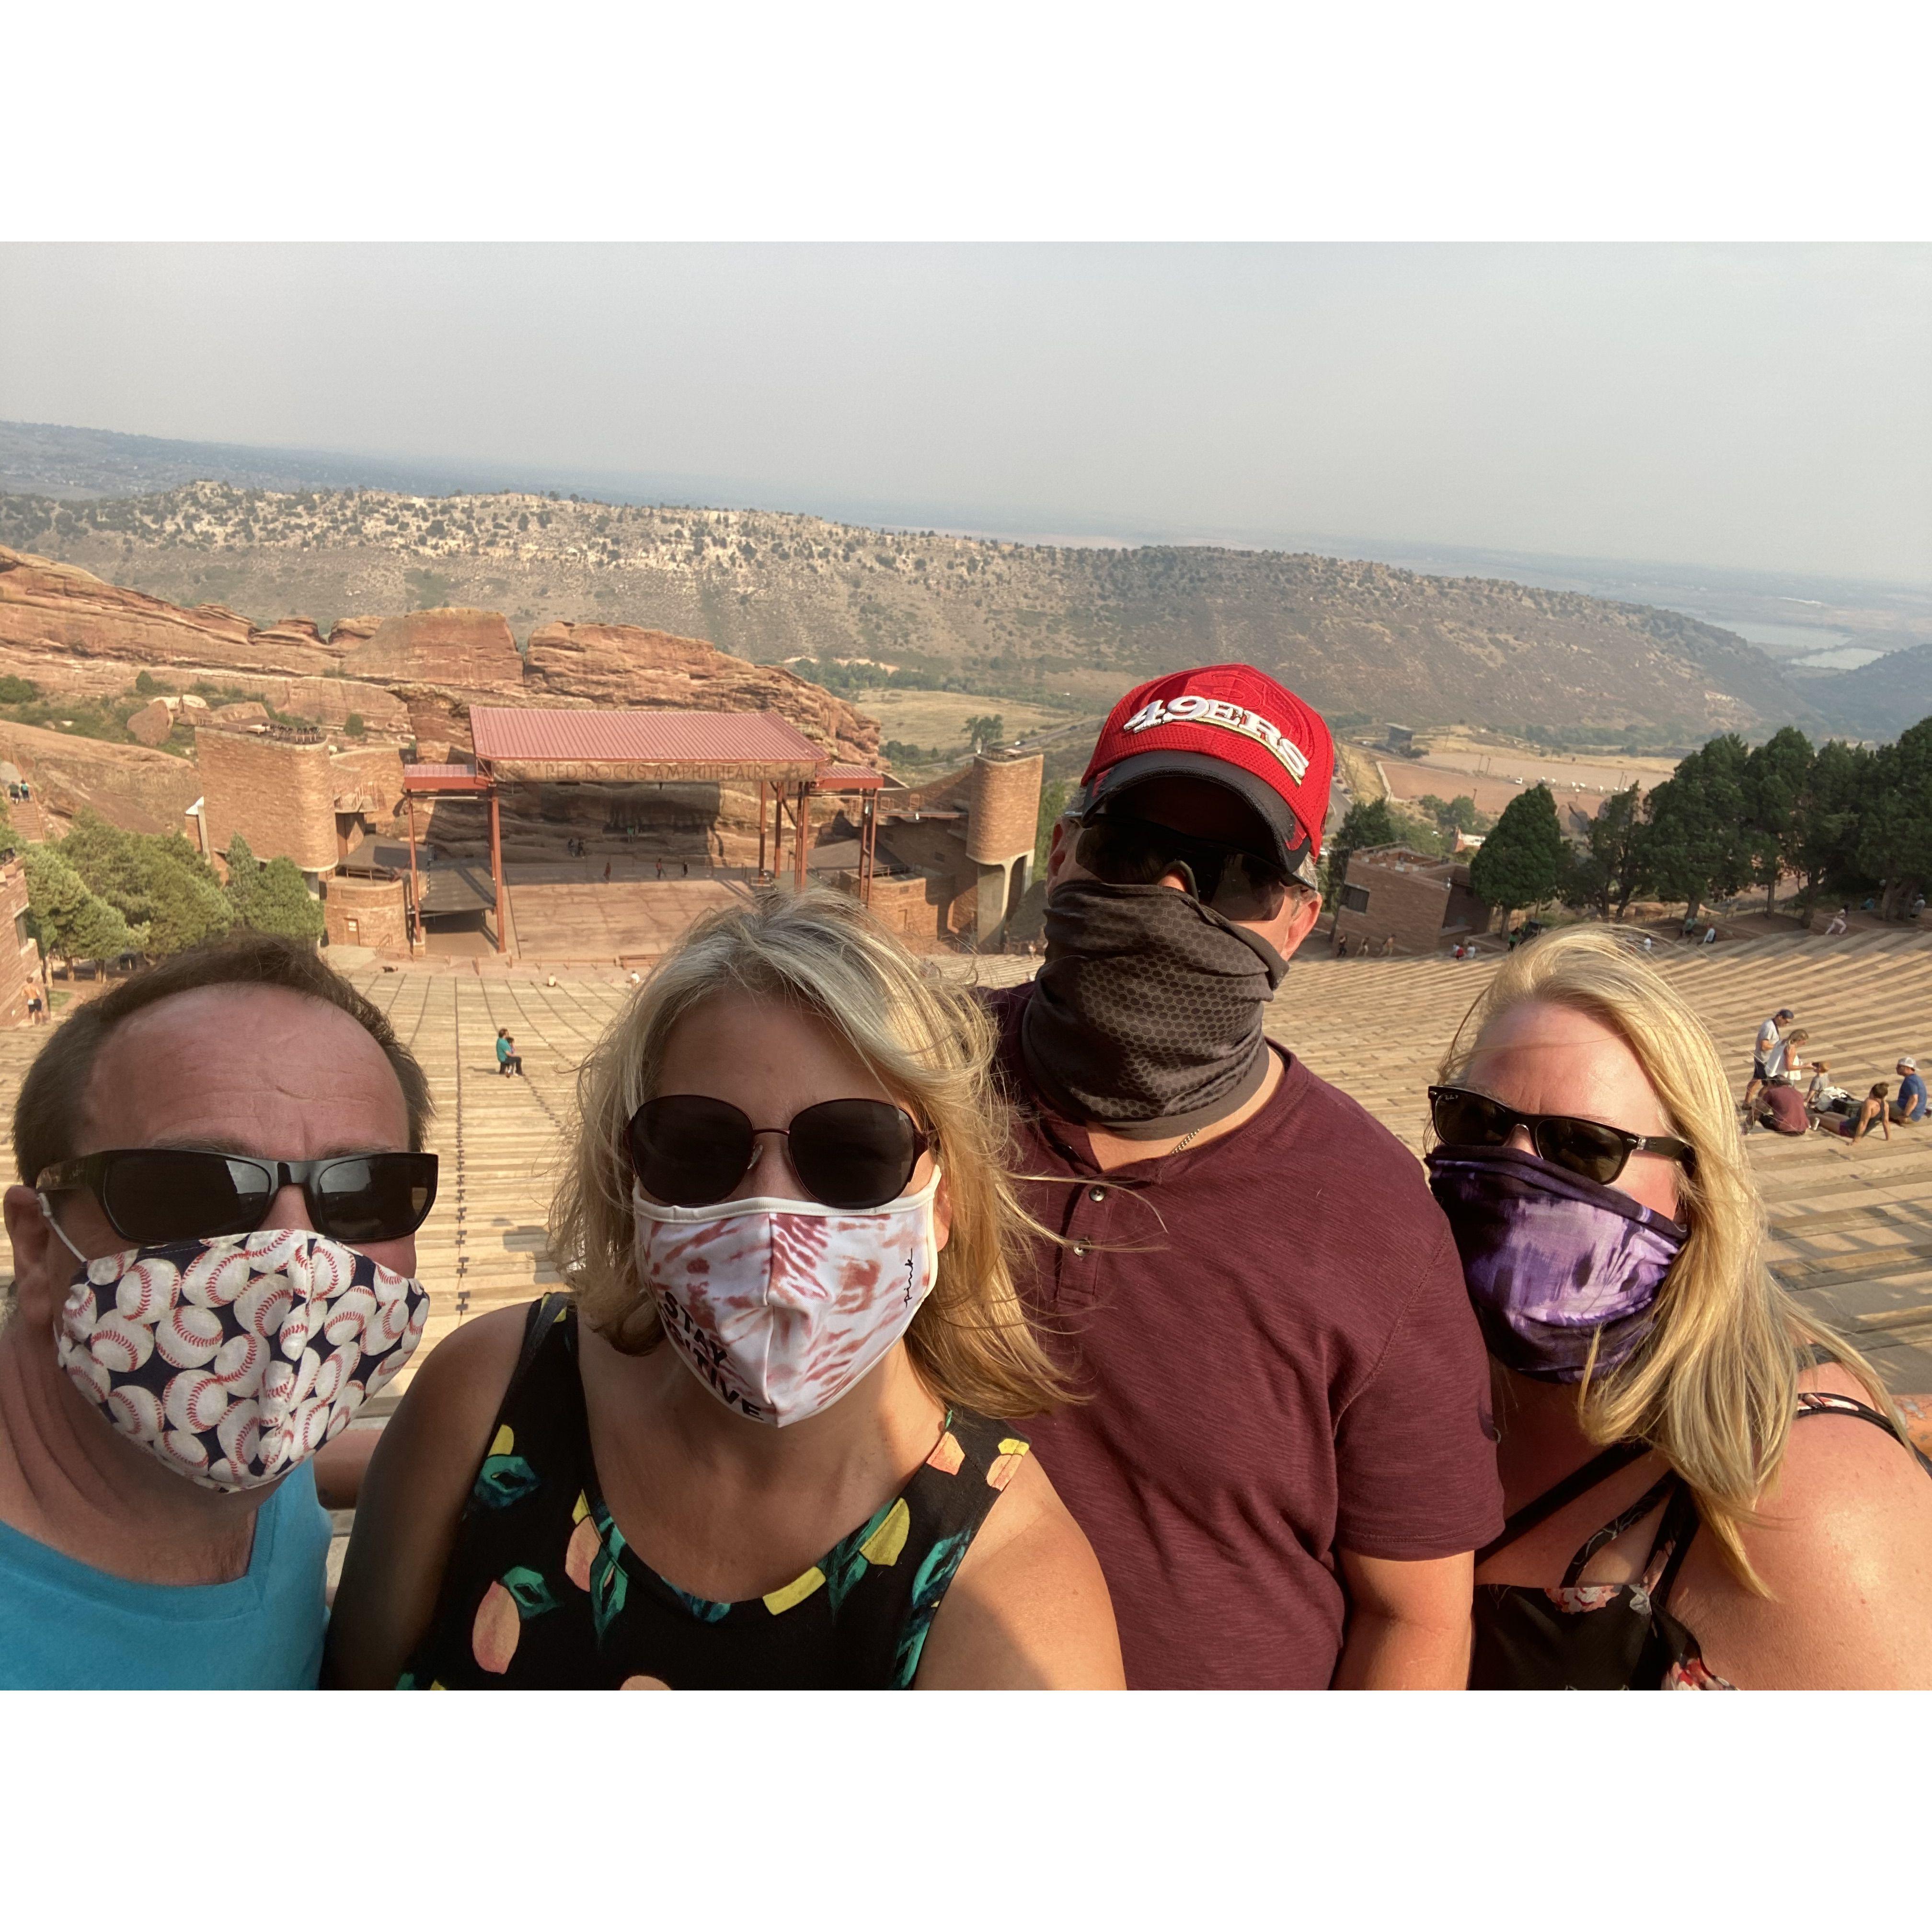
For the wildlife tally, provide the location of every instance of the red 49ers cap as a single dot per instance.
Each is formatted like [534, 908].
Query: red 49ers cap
[1235, 727]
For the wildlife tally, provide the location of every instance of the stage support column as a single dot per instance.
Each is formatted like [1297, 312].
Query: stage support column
[801, 815]
[415, 934]
[761, 828]
[496, 869]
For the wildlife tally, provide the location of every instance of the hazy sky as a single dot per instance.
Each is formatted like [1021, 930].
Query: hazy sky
[1757, 407]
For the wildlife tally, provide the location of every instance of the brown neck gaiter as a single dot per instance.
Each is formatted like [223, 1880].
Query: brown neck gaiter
[1146, 1019]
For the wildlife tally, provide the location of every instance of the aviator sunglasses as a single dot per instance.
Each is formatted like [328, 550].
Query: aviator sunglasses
[154, 1195]
[1122, 850]
[1586, 1148]
[689, 1150]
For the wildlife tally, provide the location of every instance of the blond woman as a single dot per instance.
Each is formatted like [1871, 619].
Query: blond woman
[1707, 1488]
[763, 1442]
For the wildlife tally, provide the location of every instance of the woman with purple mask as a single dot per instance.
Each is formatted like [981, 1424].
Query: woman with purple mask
[1671, 1525]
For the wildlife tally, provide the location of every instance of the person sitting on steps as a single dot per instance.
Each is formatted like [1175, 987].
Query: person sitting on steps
[509, 1060]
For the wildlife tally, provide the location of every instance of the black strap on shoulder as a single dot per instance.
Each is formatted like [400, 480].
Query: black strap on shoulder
[1679, 1528]
[537, 1323]
[1599, 1468]
[1617, 1524]
[1828, 1402]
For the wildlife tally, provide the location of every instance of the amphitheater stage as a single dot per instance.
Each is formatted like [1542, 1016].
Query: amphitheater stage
[565, 910]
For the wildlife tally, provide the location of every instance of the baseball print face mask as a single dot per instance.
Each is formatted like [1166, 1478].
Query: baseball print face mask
[779, 1306]
[234, 1359]
[1550, 1259]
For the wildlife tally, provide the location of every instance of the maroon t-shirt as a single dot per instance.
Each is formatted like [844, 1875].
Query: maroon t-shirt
[1786, 1107]
[1283, 1362]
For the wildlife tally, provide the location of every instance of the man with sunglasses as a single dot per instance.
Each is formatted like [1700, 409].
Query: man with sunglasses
[221, 1181]
[1287, 1460]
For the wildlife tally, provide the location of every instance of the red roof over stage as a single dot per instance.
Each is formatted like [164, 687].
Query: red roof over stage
[535, 744]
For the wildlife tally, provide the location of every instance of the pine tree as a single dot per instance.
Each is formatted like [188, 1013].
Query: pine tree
[1895, 834]
[1696, 841]
[70, 921]
[1522, 861]
[1830, 817]
[1777, 776]
[1610, 871]
[280, 902]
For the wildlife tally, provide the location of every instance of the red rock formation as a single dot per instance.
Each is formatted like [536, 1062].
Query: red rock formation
[470, 650]
[330, 701]
[348, 632]
[65, 617]
[152, 724]
[129, 785]
[621, 664]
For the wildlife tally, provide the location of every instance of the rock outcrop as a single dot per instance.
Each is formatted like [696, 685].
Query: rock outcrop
[468, 650]
[64, 617]
[640, 669]
[411, 677]
[129, 785]
[152, 724]
[332, 701]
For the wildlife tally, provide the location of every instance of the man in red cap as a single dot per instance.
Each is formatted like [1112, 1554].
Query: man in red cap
[1287, 1458]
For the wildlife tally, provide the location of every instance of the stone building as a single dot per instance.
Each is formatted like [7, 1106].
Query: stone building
[955, 856]
[20, 972]
[276, 787]
[1002, 820]
[1391, 892]
[368, 912]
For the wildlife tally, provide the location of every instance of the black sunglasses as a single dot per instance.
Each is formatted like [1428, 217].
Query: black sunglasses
[690, 1151]
[154, 1195]
[1124, 850]
[1588, 1147]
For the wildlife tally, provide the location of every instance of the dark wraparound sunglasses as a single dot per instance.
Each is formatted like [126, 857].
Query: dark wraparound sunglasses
[1588, 1147]
[1123, 851]
[690, 1151]
[153, 1195]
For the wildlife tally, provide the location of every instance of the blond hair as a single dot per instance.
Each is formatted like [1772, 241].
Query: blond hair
[929, 1044]
[1713, 1388]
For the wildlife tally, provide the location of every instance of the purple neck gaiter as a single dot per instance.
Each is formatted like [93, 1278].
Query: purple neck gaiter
[1549, 1258]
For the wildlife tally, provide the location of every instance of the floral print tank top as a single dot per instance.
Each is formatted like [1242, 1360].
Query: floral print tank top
[542, 1592]
[1607, 1637]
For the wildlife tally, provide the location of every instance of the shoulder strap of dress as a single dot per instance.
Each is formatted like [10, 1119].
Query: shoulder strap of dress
[1828, 1402]
[1579, 1482]
[543, 1315]
[1663, 1487]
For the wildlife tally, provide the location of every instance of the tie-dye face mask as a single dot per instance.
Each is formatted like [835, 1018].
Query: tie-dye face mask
[1549, 1259]
[779, 1306]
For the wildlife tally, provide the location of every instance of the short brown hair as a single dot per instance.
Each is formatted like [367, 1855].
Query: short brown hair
[46, 1115]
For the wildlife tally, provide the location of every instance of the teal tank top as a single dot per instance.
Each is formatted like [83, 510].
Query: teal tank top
[66, 1626]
